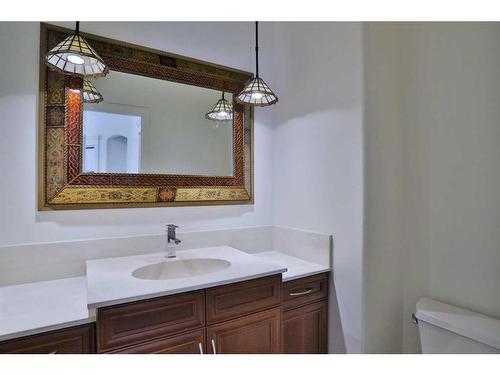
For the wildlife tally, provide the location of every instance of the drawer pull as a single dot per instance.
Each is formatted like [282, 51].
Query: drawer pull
[200, 347]
[54, 352]
[302, 293]
[213, 346]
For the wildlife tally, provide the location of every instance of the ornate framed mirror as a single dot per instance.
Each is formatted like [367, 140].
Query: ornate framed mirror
[147, 143]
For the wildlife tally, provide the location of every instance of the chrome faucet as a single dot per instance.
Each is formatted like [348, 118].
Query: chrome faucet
[172, 241]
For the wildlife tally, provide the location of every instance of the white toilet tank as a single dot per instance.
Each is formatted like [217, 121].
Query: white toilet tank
[449, 329]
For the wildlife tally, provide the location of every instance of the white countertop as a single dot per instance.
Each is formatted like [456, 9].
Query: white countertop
[296, 267]
[27, 309]
[110, 281]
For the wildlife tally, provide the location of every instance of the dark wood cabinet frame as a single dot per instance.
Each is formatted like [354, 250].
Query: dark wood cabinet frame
[62, 183]
[261, 315]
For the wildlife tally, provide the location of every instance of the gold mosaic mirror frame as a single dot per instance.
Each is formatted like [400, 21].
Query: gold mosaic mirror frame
[63, 185]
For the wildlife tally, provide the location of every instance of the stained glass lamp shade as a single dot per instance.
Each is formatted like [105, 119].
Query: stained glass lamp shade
[256, 91]
[221, 111]
[90, 93]
[74, 56]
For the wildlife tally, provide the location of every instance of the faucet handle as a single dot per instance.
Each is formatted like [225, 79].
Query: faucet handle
[172, 226]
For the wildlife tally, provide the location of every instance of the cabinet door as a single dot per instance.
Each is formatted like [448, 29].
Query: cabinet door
[258, 333]
[185, 343]
[138, 322]
[305, 329]
[74, 340]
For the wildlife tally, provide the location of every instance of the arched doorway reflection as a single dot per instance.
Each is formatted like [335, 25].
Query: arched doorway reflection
[116, 154]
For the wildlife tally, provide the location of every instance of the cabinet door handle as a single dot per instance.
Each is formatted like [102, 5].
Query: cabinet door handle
[307, 291]
[213, 346]
[200, 347]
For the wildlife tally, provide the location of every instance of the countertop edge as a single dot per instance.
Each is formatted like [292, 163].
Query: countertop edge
[186, 289]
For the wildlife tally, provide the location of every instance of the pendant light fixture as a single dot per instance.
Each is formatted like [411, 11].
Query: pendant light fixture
[257, 92]
[74, 56]
[90, 93]
[221, 111]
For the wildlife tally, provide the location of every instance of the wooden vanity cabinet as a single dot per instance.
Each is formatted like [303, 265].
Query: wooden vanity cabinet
[305, 315]
[74, 340]
[244, 317]
[259, 316]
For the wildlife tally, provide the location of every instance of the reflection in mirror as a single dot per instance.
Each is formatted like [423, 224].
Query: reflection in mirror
[147, 125]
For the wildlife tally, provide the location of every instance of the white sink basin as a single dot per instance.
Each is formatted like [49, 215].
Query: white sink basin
[181, 268]
[112, 281]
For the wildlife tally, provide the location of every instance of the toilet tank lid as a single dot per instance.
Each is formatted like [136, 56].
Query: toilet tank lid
[467, 323]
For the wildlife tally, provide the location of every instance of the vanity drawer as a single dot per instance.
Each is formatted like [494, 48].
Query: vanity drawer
[74, 340]
[185, 343]
[302, 291]
[231, 301]
[136, 322]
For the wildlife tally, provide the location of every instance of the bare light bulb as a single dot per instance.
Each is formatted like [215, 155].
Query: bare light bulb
[75, 59]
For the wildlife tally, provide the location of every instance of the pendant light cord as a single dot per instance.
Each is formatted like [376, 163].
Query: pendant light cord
[77, 28]
[257, 48]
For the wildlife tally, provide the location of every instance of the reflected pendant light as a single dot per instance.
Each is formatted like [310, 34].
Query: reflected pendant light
[256, 91]
[74, 56]
[90, 93]
[221, 111]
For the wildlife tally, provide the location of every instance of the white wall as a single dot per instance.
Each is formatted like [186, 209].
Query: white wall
[383, 252]
[444, 95]
[228, 44]
[456, 91]
[318, 153]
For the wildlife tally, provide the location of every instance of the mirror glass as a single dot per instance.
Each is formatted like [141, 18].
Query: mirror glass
[147, 125]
